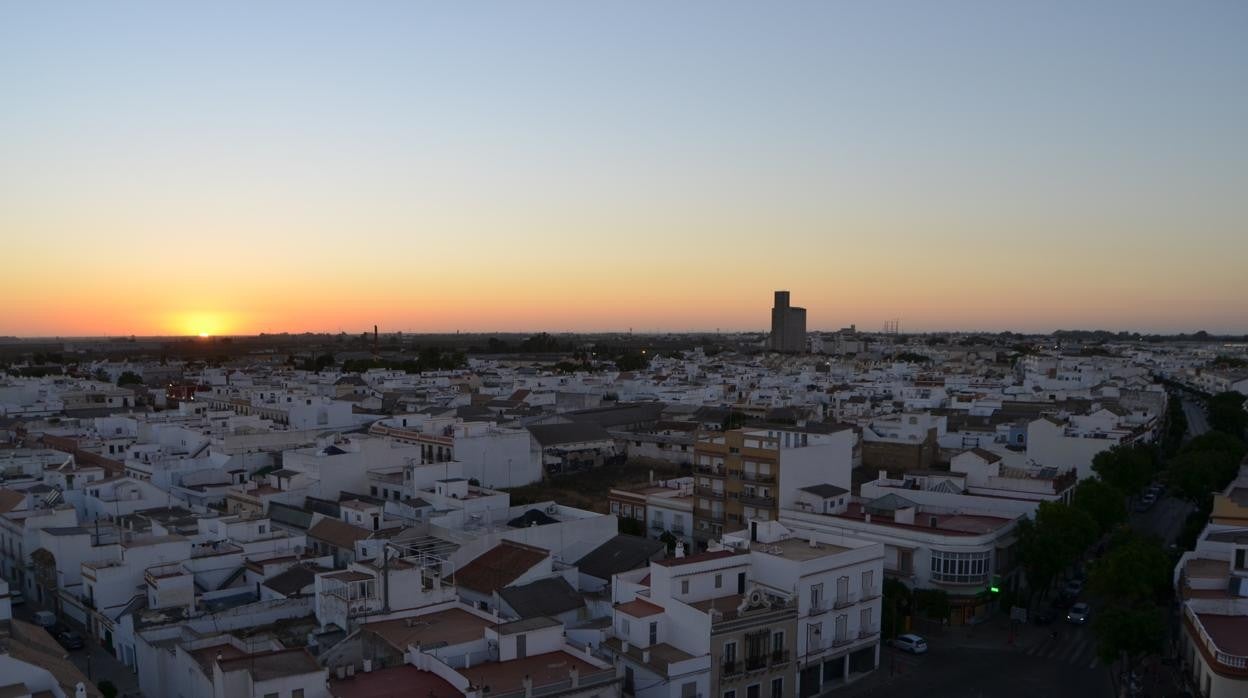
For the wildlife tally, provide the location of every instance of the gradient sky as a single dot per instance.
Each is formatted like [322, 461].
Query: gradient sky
[269, 166]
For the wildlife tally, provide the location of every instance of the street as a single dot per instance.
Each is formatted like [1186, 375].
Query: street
[93, 660]
[1037, 665]
[1164, 519]
[1197, 422]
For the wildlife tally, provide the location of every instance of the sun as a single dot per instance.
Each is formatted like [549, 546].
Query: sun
[204, 335]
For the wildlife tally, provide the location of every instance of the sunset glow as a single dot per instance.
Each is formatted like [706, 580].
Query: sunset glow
[581, 167]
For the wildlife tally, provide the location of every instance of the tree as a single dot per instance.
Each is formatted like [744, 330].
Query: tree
[1226, 413]
[1052, 542]
[1127, 468]
[1194, 475]
[1132, 577]
[1102, 502]
[670, 540]
[1128, 633]
[897, 600]
[129, 378]
[1136, 571]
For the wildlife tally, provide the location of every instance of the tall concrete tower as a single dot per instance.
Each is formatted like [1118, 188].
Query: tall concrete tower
[788, 326]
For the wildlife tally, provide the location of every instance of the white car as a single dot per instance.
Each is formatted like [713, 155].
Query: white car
[1078, 614]
[910, 643]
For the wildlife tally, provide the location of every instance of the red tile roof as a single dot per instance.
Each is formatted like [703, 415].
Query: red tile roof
[499, 566]
[639, 608]
[395, 682]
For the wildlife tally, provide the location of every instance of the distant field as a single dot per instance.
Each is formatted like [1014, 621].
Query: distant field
[588, 490]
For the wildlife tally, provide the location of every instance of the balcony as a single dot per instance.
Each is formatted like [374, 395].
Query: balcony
[779, 657]
[717, 471]
[708, 492]
[842, 640]
[869, 593]
[656, 525]
[818, 608]
[731, 667]
[843, 601]
[712, 515]
[1234, 664]
[757, 477]
[865, 633]
[755, 500]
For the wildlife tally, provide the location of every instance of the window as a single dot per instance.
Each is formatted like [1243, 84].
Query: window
[297, 693]
[868, 583]
[777, 688]
[615, 507]
[271, 695]
[373, 490]
[684, 586]
[813, 631]
[730, 694]
[719, 581]
[960, 568]
[654, 633]
[816, 596]
[753, 691]
[864, 622]
[624, 627]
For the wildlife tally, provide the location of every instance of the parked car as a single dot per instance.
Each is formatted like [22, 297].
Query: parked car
[70, 640]
[1073, 588]
[1078, 614]
[45, 619]
[910, 643]
[1045, 616]
[1064, 600]
[17, 598]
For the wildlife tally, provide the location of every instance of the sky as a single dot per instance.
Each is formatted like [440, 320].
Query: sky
[243, 167]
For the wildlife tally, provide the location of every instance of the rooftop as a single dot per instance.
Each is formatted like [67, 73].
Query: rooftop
[450, 627]
[542, 669]
[393, 682]
[266, 666]
[797, 549]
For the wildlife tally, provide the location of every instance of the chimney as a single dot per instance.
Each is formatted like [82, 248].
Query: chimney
[867, 517]
[575, 676]
[883, 475]
[651, 476]
[80, 690]
[624, 646]
[680, 549]
[645, 656]
[528, 686]
[814, 543]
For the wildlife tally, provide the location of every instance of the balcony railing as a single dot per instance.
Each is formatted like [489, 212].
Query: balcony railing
[717, 471]
[709, 492]
[731, 667]
[713, 515]
[1226, 659]
[869, 593]
[843, 601]
[754, 499]
[780, 657]
[841, 641]
[864, 633]
[757, 477]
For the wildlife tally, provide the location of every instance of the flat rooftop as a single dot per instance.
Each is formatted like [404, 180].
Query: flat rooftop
[453, 626]
[797, 549]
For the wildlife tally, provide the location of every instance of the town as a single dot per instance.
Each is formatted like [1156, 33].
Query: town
[737, 515]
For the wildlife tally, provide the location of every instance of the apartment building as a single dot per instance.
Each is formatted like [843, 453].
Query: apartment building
[1212, 582]
[746, 474]
[698, 626]
[838, 583]
[925, 547]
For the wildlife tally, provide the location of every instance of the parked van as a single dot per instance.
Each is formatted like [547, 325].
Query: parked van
[45, 619]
